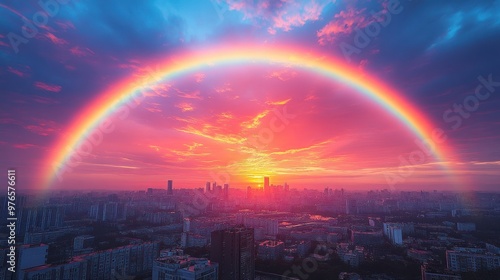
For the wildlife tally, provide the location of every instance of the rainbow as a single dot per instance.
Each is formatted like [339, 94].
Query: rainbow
[122, 92]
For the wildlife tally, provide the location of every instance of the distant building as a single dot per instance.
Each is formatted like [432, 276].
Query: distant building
[437, 273]
[351, 207]
[207, 187]
[351, 256]
[349, 276]
[178, 266]
[466, 226]
[170, 187]
[266, 185]
[233, 249]
[110, 212]
[270, 250]
[270, 226]
[366, 237]
[43, 218]
[226, 191]
[471, 259]
[82, 242]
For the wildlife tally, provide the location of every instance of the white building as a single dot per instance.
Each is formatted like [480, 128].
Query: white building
[394, 231]
[471, 259]
[184, 267]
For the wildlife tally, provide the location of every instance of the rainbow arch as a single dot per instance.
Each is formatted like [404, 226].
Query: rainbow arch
[122, 92]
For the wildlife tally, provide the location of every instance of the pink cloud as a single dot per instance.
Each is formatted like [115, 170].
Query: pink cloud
[42, 127]
[47, 87]
[279, 15]
[23, 146]
[15, 71]
[199, 77]
[344, 23]
[185, 107]
[65, 25]
[55, 39]
[283, 75]
[78, 51]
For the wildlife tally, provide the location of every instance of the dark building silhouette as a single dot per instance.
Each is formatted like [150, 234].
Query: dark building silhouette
[266, 185]
[233, 249]
[226, 191]
[170, 187]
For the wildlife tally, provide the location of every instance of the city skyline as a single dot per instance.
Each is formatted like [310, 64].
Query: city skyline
[323, 94]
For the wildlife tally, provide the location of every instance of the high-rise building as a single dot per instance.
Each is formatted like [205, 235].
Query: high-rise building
[43, 218]
[170, 187]
[351, 207]
[110, 212]
[226, 191]
[233, 249]
[266, 184]
[207, 187]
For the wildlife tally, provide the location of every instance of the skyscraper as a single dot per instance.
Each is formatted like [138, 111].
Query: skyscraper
[207, 187]
[266, 184]
[233, 249]
[226, 191]
[170, 187]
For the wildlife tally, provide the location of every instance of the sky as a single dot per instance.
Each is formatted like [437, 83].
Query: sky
[58, 57]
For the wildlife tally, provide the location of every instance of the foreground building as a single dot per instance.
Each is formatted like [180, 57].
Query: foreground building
[233, 249]
[126, 260]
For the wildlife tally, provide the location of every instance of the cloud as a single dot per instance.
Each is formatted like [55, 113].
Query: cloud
[23, 146]
[185, 107]
[255, 121]
[281, 102]
[42, 127]
[344, 23]
[277, 16]
[56, 40]
[16, 71]
[48, 87]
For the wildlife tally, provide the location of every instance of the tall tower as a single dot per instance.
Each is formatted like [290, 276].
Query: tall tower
[233, 249]
[226, 191]
[207, 187]
[170, 187]
[266, 185]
